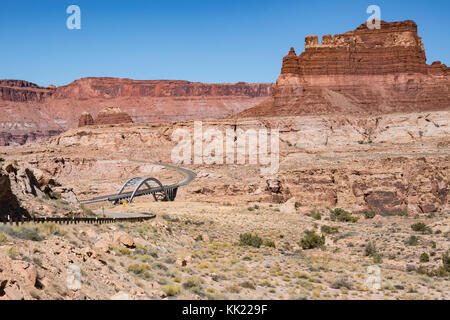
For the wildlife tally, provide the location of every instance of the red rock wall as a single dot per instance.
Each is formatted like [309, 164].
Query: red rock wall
[28, 108]
[23, 91]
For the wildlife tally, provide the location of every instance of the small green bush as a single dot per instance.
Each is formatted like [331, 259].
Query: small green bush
[3, 239]
[315, 215]
[341, 215]
[269, 243]
[370, 249]
[171, 290]
[247, 239]
[192, 282]
[329, 229]
[312, 240]
[248, 285]
[142, 270]
[87, 212]
[369, 214]
[446, 261]
[51, 229]
[24, 232]
[421, 227]
[424, 257]
[12, 253]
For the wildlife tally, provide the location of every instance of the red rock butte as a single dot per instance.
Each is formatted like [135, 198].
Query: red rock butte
[106, 116]
[381, 70]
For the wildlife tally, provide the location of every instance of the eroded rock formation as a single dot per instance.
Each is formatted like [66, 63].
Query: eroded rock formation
[112, 116]
[85, 120]
[24, 190]
[361, 71]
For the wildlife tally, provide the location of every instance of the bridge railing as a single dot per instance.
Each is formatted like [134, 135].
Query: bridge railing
[17, 220]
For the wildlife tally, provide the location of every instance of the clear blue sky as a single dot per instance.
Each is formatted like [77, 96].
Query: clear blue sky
[197, 40]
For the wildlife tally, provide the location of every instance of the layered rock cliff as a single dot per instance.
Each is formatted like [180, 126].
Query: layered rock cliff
[361, 71]
[31, 113]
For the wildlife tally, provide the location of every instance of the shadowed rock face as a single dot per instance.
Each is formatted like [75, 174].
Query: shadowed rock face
[85, 120]
[360, 71]
[31, 113]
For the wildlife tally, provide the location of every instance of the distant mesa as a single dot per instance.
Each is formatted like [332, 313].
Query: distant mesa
[360, 71]
[110, 115]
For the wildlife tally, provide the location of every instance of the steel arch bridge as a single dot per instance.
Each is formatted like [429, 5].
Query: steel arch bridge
[146, 186]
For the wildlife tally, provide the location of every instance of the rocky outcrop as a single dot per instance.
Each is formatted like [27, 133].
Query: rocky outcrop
[23, 191]
[85, 120]
[361, 71]
[31, 113]
[112, 116]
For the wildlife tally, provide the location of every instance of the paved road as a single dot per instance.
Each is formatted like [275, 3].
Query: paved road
[189, 175]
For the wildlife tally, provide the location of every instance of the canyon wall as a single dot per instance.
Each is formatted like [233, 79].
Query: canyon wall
[361, 71]
[384, 163]
[33, 113]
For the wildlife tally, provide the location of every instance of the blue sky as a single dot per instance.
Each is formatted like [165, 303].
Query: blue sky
[198, 40]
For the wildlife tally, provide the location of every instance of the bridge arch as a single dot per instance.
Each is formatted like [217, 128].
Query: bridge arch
[145, 181]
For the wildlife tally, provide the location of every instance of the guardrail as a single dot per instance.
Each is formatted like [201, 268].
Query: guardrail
[97, 220]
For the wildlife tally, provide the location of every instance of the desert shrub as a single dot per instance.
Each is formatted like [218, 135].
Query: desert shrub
[315, 215]
[122, 250]
[342, 283]
[24, 232]
[312, 240]
[170, 219]
[248, 285]
[412, 241]
[142, 270]
[424, 257]
[171, 290]
[192, 283]
[160, 266]
[199, 238]
[341, 215]
[329, 229]
[421, 227]
[369, 214]
[51, 229]
[446, 261]
[87, 212]
[141, 250]
[12, 253]
[370, 249]
[247, 239]
[3, 239]
[269, 243]
[55, 195]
